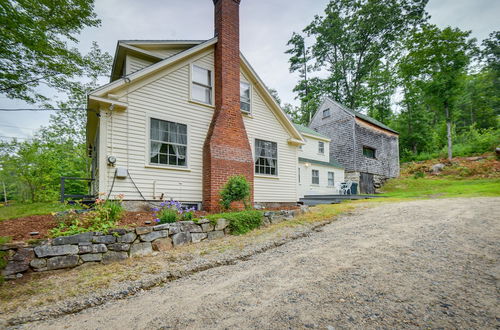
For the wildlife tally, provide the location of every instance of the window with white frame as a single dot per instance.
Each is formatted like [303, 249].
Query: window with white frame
[315, 177]
[331, 179]
[201, 86]
[326, 113]
[168, 143]
[266, 157]
[321, 147]
[245, 96]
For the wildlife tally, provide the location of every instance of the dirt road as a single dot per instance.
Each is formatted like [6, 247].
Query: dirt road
[432, 263]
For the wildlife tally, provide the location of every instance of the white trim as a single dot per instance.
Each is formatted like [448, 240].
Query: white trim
[317, 137]
[103, 100]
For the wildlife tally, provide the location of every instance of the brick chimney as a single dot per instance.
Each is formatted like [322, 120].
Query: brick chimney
[226, 151]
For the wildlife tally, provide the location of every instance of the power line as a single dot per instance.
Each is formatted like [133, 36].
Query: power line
[47, 109]
[14, 137]
[30, 128]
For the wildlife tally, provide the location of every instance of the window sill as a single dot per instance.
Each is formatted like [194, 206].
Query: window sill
[247, 114]
[183, 169]
[314, 184]
[211, 106]
[263, 176]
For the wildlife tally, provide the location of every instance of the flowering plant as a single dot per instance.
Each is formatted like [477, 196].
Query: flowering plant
[172, 211]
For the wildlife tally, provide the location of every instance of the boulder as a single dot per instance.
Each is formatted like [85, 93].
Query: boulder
[119, 247]
[162, 244]
[143, 230]
[202, 221]
[127, 238]
[221, 224]
[119, 231]
[215, 234]
[163, 226]
[58, 250]
[14, 267]
[437, 168]
[73, 239]
[105, 239]
[24, 254]
[92, 248]
[141, 249]
[190, 226]
[181, 238]
[62, 262]
[174, 228]
[90, 257]
[154, 235]
[198, 237]
[112, 256]
[206, 227]
[38, 263]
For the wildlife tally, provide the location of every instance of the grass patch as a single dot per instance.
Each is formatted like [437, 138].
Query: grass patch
[442, 187]
[240, 222]
[18, 210]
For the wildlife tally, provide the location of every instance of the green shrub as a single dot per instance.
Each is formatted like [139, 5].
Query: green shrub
[236, 189]
[418, 175]
[187, 216]
[167, 215]
[240, 222]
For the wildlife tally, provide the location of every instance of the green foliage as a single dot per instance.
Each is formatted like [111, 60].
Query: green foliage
[167, 215]
[236, 189]
[18, 210]
[240, 222]
[102, 218]
[187, 216]
[3, 255]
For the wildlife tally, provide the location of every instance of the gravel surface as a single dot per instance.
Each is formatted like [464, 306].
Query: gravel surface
[431, 263]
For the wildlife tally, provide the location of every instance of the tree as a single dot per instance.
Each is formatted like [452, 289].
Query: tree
[351, 40]
[35, 49]
[438, 60]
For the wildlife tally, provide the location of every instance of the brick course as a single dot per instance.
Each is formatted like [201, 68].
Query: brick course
[226, 151]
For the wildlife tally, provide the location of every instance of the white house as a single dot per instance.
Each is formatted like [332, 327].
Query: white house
[318, 173]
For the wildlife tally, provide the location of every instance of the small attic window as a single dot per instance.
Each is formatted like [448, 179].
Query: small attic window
[201, 87]
[245, 97]
[369, 152]
[326, 113]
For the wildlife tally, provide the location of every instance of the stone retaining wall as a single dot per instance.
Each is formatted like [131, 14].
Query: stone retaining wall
[118, 244]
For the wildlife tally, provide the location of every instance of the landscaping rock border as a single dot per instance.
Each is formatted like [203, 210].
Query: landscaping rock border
[119, 244]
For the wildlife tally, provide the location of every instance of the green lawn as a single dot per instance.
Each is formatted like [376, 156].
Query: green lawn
[442, 187]
[17, 209]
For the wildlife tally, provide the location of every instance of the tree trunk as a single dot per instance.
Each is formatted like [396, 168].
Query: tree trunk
[448, 131]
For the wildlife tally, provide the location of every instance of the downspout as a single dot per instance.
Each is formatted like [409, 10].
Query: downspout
[354, 142]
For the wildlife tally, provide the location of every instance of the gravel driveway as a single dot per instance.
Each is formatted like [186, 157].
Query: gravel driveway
[431, 263]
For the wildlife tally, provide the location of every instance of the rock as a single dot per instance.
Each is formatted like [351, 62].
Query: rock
[190, 226]
[162, 244]
[73, 239]
[119, 231]
[202, 221]
[198, 237]
[14, 267]
[24, 254]
[38, 263]
[90, 257]
[148, 222]
[473, 159]
[92, 248]
[221, 224]
[34, 233]
[154, 235]
[163, 226]
[62, 262]
[112, 256]
[119, 247]
[143, 230]
[181, 239]
[437, 168]
[174, 228]
[141, 249]
[227, 231]
[105, 239]
[215, 234]
[58, 250]
[127, 238]
[206, 227]
[266, 221]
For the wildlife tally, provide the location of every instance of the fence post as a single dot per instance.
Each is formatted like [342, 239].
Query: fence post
[62, 189]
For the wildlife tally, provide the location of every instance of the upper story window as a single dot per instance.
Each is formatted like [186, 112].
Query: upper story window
[245, 96]
[321, 147]
[369, 152]
[331, 179]
[326, 113]
[168, 143]
[201, 87]
[315, 177]
[266, 157]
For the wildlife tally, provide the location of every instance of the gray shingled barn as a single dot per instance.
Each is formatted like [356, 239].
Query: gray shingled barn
[367, 149]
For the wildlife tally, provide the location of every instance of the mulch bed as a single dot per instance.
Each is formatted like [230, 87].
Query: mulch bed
[20, 228]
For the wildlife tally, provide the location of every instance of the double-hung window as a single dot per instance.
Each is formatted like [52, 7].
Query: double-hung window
[245, 97]
[201, 86]
[315, 177]
[266, 157]
[331, 179]
[168, 143]
[321, 147]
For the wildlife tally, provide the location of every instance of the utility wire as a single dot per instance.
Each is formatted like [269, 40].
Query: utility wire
[47, 109]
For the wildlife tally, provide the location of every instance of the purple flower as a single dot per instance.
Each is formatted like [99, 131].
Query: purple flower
[155, 209]
[157, 220]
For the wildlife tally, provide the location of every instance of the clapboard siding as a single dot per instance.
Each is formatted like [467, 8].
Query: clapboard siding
[134, 64]
[167, 98]
[311, 148]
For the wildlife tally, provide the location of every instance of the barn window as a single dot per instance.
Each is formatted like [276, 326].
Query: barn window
[369, 152]
[315, 177]
[326, 113]
[168, 143]
[201, 87]
[266, 157]
[321, 147]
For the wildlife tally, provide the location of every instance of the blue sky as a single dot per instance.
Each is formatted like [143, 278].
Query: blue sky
[265, 28]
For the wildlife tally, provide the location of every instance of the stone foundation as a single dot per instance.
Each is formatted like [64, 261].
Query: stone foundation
[118, 244]
[378, 180]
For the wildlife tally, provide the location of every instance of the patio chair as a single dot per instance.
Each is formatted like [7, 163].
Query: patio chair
[346, 188]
